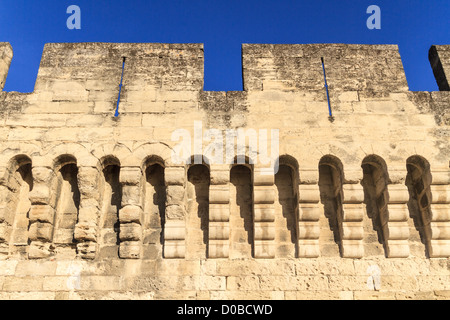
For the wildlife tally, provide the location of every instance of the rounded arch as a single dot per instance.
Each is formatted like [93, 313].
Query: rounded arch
[191, 161]
[109, 160]
[377, 162]
[140, 155]
[83, 157]
[62, 160]
[418, 162]
[418, 179]
[151, 160]
[17, 161]
[14, 156]
[333, 162]
[376, 198]
[117, 151]
[330, 182]
[289, 161]
[246, 163]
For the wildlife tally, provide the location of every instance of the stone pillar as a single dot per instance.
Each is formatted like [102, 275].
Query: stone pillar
[350, 217]
[42, 213]
[394, 213]
[131, 213]
[308, 221]
[89, 211]
[219, 212]
[263, 213]
[175, 224]
[440, 213]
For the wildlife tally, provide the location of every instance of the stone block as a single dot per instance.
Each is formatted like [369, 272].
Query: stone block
[41, 213]
[130, 232]
[130, 250]
[35, 268]
[175, 194]
[131, 213]
[175, 176]
[41, 231]
[130, 175]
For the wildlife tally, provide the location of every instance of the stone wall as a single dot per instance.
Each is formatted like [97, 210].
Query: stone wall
[95, 206]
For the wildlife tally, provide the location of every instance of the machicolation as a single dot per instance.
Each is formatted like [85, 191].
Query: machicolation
[95, 206]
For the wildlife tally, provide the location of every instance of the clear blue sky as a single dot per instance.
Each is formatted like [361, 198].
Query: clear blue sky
[222, 26]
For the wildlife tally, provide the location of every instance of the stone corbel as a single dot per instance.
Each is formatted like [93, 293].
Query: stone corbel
[308, 221]
[439, 242]
[350, 219]
[263, 213]
[175, 222]
[42, 213]
[219, 213]
[86, 228]
[131, 213]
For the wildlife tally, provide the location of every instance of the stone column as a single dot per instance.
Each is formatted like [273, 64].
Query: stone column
[89, 211]
[440, 213]
[394, 213]
[263, 213]
[42, 213]
[175, 224]
[219, 212]
[131, 213]
[350, 216]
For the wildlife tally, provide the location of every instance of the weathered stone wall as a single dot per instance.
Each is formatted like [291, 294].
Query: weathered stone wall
[95, 206]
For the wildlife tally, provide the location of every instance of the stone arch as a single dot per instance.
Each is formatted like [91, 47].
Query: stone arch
[17, 150]
[83, 157]
[153, 159]
[67, 201]
[241, 210]
[331, 178]
[247, 163]
[376, 197]
[115, 151]
[286, 207]
[15, 194]
[418, 181]
[110, 204]
[139, 155]
[154, 204]
[197, 219]
[290, 161]
[191, 161]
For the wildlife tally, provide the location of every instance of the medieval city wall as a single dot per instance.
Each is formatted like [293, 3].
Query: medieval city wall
[95, 206]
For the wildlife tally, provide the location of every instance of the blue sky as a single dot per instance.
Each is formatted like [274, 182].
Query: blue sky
[222, 26]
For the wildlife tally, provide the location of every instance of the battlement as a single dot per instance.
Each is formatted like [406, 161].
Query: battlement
[167, 66]
[298, 67]
[293, 67]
